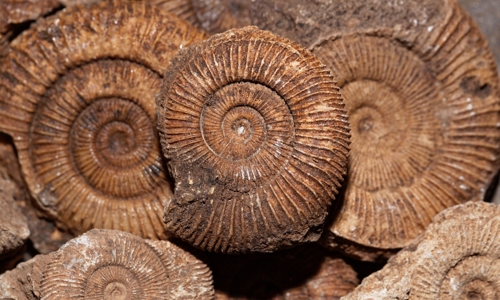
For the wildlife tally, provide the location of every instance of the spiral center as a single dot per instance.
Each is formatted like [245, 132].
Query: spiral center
[241, 123]
[115, 138]
[115, 291]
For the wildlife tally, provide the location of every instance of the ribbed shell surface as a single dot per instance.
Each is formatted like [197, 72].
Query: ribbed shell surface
[77, 95]
[257, 137]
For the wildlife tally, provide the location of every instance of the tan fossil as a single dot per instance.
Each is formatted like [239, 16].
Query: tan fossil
[458, 257]
[111, 264]
[257, 138]
[77, 96]
[421, 91]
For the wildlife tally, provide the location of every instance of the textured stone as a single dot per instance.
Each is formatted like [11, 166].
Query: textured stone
[457, 257]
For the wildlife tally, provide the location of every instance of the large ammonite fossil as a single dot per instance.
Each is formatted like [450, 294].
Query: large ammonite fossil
[111, 264]
[258, 138]
[423, 104]
[458, 257]
[421, 92]
[77, 95]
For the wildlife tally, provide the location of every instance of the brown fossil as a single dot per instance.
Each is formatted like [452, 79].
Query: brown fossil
[77, 96]
[110, 264]
[182, 8]
[305, 272]
[15, 12]
[421, 91]
[217, 16]
[458, 257]
[257, 136]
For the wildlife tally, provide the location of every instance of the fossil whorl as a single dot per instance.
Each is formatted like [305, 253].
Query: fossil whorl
[218, 16]
[258, 138]
[110, 264]
[77, 95]
[423, 104]
[458, 257]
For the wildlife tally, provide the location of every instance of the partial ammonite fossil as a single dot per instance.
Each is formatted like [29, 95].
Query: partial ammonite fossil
[458, 257]
[305, 272]
[257, 137]
[15, 12]
[111, 264]
[217, 16]
[77, 95]
[421, 92]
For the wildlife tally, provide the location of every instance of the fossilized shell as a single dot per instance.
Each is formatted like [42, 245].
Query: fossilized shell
[14, 12]
[258, 138]
[77, 95]
[421, 92]
[458, 257]
[110, 264]
[217, 16]
[305, 272]
[102, 264]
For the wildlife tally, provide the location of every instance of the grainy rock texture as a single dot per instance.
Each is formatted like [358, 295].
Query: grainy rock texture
[421, 90]
[458, 257]
[217, 16]
[13, 224]
[257, 139]
[15, 12]
[77, 95]
[110, 264]
[305, 272]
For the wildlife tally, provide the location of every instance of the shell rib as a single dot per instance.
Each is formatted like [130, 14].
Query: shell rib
[458, 257]
[421, 92]
[77, 95]
[257, 136]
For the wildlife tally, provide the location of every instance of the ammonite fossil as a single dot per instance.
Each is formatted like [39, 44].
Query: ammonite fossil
[257, 136]
[77, 95]
[421, 92]
[217, 16]
[458, 257]
[304, 272]
[111, 264]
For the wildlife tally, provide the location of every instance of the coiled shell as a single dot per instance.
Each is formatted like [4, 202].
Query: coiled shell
[421, 92]
[257, 136]
[458, 257]
[77, 95]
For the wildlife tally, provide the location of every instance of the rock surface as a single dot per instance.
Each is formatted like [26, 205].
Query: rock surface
[458, 257]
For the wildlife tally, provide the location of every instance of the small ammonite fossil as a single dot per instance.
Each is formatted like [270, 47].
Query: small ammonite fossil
[304, 272]
[77, 96]
[217, 16]
[421, 92]
[257, 137]
[458, 257]
[111, 264]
